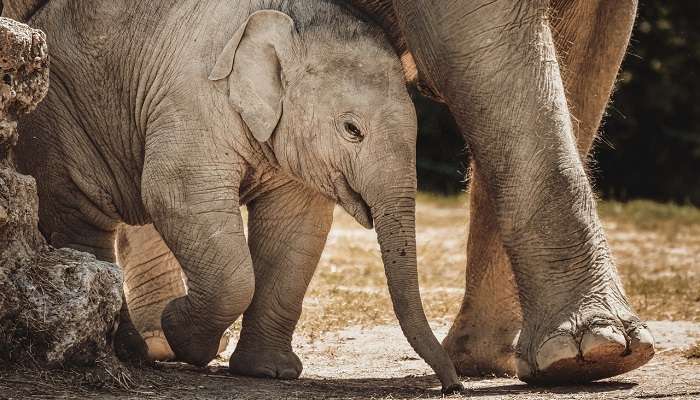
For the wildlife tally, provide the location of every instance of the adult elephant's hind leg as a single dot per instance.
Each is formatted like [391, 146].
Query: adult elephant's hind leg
[591, 40]
[481, 339]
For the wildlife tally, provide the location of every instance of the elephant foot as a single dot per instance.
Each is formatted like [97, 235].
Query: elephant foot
[128, 344]
[481, 341]
[265, 364]
[191, 342]
[599, 347]
[482, 352]
[159, 348]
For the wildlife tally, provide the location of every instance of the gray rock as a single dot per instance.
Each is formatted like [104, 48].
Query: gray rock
[60, 309]
[57, 307]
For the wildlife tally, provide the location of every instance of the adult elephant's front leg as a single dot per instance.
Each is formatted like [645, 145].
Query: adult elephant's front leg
[495, 64]
[287, 230]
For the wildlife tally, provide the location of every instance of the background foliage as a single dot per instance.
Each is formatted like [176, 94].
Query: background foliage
[650, 146]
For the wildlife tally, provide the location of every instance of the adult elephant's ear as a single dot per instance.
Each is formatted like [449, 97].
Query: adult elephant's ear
[253, 62]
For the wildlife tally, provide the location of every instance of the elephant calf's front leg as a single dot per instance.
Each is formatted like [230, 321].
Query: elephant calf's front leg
[194, 206]
[287, 232]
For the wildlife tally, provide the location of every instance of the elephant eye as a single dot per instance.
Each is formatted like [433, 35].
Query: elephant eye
[350, 127]
[354, 131]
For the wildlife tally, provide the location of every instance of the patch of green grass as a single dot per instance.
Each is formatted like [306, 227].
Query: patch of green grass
[459, 200]
[649, 215]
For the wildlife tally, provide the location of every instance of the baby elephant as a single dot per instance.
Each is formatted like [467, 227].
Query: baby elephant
[175, 116]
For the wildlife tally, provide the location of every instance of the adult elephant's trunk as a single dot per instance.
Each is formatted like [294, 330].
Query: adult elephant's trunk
[393, 213]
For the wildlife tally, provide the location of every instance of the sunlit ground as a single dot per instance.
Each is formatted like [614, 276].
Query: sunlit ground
[656, 246]
[351, 345]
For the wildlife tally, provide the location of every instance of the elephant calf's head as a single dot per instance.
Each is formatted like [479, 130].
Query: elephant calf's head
[329, 97]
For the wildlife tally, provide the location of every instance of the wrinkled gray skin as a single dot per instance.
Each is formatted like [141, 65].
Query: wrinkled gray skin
[177, 115]
[528, 83]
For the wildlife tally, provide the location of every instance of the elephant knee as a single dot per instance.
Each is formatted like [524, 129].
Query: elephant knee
[233, 295]
[241, 293]
[193, 324]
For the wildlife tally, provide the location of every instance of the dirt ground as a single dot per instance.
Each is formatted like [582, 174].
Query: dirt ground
[352, 347]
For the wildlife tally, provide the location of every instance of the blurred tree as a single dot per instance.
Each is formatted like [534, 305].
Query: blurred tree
[650, 145]
[650, 141]
[441, 154]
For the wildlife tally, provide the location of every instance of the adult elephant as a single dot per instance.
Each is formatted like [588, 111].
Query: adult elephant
[528, 83]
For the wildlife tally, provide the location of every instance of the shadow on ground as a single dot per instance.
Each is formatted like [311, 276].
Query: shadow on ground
[178, 381]
[355, 363]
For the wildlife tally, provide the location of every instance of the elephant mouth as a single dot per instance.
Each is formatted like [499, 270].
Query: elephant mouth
[353, 203]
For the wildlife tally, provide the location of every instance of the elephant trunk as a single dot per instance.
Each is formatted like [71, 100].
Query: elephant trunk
[394, 218]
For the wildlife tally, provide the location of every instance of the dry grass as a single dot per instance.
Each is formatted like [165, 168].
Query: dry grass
[107, 376]
[693, 352]
[657, 248]
[350, 287]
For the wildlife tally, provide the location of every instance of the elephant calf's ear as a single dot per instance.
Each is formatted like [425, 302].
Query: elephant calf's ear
[252, 62]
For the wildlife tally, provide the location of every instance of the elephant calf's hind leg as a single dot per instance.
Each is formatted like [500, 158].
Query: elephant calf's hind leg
[152, 278]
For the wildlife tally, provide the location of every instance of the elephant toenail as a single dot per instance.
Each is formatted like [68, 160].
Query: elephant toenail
[560, 347]
[602, 341]
[642, 340]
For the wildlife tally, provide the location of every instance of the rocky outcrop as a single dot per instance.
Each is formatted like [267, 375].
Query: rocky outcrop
[57, 307]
